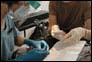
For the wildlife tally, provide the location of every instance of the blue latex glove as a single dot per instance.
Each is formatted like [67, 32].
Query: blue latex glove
[33, 55]
[37, 44]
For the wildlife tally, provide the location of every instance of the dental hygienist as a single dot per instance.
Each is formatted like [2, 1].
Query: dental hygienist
[11, 36]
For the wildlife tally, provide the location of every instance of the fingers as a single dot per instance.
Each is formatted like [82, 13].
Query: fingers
[68, 35]
[44, 46]
[71, 40]
[67, 42]
[60, 33]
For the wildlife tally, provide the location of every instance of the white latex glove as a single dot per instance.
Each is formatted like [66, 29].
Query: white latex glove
[57, 33]
[73, 36]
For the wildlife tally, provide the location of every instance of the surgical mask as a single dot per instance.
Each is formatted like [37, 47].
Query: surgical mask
[66, 1]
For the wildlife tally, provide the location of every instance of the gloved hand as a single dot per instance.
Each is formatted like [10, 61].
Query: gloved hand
[22, 49]
[33, 55]
[57, 33]
[37, 44]
[73, 36]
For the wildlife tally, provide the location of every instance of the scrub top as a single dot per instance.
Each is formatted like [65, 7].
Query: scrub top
[8, 37]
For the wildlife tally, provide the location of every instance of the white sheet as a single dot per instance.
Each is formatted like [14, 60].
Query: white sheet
[70, 53]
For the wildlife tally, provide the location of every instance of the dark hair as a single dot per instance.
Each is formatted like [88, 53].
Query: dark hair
[10, 3]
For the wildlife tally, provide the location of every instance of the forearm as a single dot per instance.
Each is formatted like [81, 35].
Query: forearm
[52, 21]
[20, 40]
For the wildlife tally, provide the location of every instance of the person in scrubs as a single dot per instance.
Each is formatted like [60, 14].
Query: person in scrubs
[10, 36]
